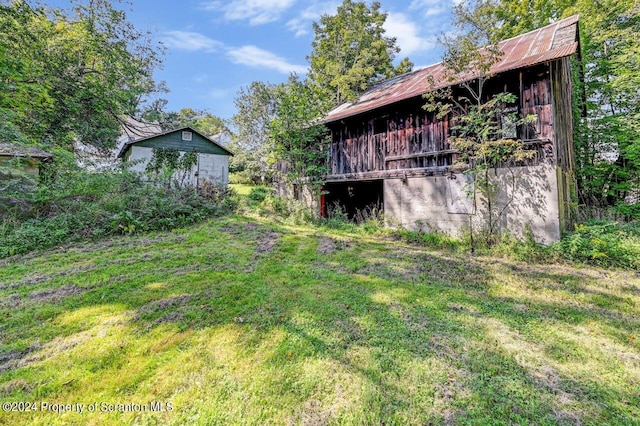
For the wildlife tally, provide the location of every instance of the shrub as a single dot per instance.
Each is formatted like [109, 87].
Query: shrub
[259, 193]
[603, 243]
[78, 205]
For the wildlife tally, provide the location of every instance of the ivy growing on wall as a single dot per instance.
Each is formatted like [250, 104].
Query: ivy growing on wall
[167, 163]
[163, 159]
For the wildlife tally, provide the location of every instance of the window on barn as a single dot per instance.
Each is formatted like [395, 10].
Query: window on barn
[187, 136]
[508, 122]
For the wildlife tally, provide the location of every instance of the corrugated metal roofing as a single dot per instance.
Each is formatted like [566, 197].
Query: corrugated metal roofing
[552, 42]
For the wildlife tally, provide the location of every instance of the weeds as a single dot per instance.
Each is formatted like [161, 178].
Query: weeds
[79, 205]
[602, 243]
[599, 243]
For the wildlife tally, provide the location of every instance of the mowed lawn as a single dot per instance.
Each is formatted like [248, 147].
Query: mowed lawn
[247, 321]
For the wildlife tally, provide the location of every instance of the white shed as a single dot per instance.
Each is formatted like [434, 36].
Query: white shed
[212, 158]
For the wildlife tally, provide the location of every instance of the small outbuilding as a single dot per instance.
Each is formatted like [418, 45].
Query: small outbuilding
[30, 158]
[212, 159]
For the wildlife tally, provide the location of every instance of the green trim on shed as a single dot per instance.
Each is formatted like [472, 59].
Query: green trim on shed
[173, 140]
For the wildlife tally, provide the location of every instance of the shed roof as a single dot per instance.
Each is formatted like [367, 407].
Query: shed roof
[548, 43]
[15, 150]
[127, 145]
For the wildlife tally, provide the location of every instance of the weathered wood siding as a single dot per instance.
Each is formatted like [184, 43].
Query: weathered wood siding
[562, 91]
[404, 136]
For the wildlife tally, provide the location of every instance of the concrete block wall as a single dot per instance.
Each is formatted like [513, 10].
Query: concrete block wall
[527, 197]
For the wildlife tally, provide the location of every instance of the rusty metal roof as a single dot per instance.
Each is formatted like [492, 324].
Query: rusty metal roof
[548, 43]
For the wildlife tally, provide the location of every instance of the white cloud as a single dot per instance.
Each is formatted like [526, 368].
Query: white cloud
[432, 7]
[219, 93]
[184, 40]
[301, 24]
[406, 32]
[257, 12]
[255, 57]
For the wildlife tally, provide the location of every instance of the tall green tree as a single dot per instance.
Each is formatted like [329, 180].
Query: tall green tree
[351, 53]
[257, 106]
[73, 74]
[203, 121]
[299, 143]
[484, 122]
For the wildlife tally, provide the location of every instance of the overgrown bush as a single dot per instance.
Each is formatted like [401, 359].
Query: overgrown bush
[78, 205]
[599, 243]
[259, 193]
[602, 243]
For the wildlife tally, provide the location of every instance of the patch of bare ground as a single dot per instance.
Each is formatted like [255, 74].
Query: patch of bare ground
[237, 229]
[266, 239]
[10, 360]
[564, 403]
[266, 243]
[11, 301]
[451, 389]
[91, 247]
[37, 278]
[313, 413]
[250, 226]
[326, 246]
[39, 352]
[175, 307]
[55, 294]
[170, 317]
[163, 304]
[17, 385]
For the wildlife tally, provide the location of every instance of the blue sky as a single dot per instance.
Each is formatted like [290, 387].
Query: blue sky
[214, 48]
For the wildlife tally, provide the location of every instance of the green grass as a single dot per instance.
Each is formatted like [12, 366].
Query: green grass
[247, 321]
[240, 188]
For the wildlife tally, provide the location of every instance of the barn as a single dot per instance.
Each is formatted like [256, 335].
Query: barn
[212, 164]
[387, 151]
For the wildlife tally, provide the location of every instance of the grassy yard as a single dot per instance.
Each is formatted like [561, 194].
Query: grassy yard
[248, 321]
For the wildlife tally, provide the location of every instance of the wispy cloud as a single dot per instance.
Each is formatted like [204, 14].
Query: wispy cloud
[301, 24]
[407, 35]
[258, 58]
[430, 8]
[217, 93]
[257, 12]
[184, 40]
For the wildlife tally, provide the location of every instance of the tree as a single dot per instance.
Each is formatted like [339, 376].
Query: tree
[351, 53]
[609, 150]
[73, 75]
[299, 143]
[257, 106]
[203, 121]
[482, 133]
